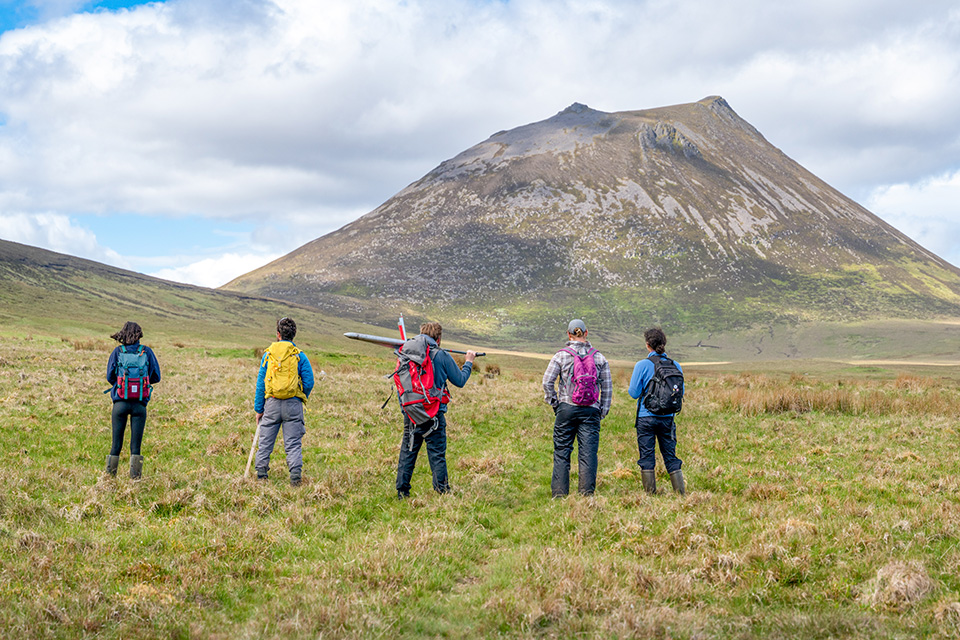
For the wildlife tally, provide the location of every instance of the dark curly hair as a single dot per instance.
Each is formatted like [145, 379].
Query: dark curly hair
[287, 328]
[656, 339]
[130, 334]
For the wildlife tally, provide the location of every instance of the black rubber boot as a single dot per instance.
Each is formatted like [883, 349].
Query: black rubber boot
[676, 479]
[136, 467]
[649, 480]
[112, 463]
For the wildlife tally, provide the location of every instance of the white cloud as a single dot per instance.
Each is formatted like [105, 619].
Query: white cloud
[927, 211]
[57, 233]
[298, 110]
[214, 272]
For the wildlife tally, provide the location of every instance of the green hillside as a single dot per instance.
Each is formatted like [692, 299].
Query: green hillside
[51, 293]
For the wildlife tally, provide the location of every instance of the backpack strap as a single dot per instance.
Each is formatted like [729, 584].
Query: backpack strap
[647, 389]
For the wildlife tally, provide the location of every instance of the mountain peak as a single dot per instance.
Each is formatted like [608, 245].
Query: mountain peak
[682, 215]
[576, 107]
[715, 102]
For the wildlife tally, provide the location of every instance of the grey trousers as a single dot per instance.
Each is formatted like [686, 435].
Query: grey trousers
[287, 414]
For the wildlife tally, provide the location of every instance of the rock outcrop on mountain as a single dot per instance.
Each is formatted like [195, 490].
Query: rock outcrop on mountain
[683, 216]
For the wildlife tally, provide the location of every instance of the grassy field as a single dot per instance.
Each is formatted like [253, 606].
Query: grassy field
[823, 503]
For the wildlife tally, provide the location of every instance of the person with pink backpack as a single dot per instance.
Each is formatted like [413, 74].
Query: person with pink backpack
[580, 401]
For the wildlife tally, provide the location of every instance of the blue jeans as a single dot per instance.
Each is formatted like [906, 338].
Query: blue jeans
[414, 436]
[583, 425]
[651, 430]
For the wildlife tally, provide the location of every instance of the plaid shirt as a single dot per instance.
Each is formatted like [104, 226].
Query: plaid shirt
[561, 366]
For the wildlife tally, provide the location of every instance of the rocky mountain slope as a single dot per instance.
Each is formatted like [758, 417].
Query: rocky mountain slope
[684, 216]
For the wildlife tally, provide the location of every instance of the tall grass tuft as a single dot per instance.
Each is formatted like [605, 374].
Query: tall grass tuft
[755, 395]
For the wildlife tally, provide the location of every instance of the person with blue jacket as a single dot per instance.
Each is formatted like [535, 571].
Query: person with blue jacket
[132, 370]
[284, 383]
[653, 429]
[434, 432]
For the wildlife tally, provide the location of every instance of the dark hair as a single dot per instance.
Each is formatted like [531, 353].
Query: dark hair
[130, 334]
[656, 339]
[287, 328]
[432, 329]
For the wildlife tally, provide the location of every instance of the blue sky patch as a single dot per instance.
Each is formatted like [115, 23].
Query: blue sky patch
[156, 236]
[15, 14]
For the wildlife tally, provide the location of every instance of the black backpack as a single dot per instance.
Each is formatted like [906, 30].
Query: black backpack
[664, 393]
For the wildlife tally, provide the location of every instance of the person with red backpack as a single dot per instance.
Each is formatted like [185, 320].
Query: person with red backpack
[423, 370]
[657, 385]
[284, 383]
[584, 398]
[132, 370]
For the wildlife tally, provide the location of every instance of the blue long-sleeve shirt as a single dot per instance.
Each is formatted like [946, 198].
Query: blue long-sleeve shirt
[445, 368]
[642, 373]
[152, 365]
[303, 369]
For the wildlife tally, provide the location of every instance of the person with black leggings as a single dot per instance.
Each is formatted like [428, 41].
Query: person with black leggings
[132, 370]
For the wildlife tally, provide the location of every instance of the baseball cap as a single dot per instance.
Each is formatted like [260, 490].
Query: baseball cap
[576, 324]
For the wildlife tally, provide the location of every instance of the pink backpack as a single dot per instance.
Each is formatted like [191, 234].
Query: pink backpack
[585, 378]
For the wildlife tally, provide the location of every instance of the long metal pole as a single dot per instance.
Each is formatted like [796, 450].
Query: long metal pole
[391, 342]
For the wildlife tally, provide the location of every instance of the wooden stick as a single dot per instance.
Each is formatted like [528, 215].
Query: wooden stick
[253, 449]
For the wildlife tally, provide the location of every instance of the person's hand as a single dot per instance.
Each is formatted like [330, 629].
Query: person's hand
[471, 355]
[259, 415]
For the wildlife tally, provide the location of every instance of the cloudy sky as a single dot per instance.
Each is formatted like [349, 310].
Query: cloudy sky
[199, 139]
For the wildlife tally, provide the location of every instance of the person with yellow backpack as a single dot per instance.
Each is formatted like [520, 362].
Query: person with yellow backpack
[284, 383]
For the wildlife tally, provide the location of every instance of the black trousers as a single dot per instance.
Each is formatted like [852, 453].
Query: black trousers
[414, 436]
[137, 412]
[580, 424]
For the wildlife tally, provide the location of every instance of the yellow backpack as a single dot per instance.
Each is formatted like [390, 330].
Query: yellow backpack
[282, 379]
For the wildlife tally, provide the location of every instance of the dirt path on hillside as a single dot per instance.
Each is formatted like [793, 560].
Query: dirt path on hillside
[630, 363]
[888, 363]
[616, 363]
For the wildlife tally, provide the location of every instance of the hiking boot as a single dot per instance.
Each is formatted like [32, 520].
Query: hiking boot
[261, 474]
[136, 467]
[649, 479]
[112, 463]
[676, 479]
[401, 495]
[295, 481]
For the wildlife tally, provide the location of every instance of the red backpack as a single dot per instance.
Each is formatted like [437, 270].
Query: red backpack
[420, 399]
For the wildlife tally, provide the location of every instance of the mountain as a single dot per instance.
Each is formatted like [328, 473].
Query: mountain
[42, 290]
[683, 216]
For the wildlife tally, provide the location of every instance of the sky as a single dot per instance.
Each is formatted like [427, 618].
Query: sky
[196, 140]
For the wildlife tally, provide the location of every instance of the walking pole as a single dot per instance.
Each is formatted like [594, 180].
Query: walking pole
[253, 449]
